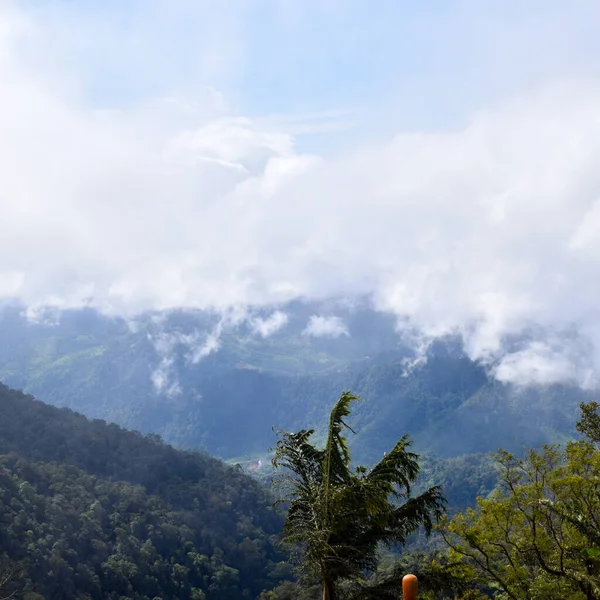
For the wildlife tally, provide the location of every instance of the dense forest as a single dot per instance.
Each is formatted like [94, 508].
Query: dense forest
[89, 510]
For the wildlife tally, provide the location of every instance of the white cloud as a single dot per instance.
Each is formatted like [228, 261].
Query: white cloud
[173, 345]
[489, 229]
[163, 376]
[192, 347]
[212, 342]
[548, 362]
[272, 324]
[45, 316]
[319, 326]
[164, 380]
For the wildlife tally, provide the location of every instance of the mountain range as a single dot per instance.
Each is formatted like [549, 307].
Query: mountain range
[221, 382]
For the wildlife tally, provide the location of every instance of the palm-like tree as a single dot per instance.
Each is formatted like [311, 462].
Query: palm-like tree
[340, 517]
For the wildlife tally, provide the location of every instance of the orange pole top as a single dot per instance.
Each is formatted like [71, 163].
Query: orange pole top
[409, 587]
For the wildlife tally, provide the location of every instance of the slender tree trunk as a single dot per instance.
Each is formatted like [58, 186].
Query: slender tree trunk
[590, 590]
[328, 589]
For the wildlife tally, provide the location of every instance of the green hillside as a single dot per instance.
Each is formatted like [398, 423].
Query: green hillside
[143, 375]
[90, 510]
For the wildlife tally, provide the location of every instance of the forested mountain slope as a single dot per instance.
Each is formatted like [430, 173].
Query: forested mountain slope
[94, 511]
[201, 383]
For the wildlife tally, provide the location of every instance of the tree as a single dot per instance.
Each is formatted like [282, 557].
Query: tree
[339, 517]
[589, 423]
[538, 534]
[10, 573]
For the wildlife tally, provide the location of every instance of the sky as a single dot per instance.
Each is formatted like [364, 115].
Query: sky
[438, 157]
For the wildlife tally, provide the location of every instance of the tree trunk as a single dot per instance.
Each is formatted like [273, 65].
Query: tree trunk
[328, 589]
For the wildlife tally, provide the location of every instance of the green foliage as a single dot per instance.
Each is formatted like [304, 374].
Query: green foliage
[340, 517]
[89, 510]
[438, 578]
[463, 478]
[289, 590]
[589, 423]
[538, 534]
[10, 578]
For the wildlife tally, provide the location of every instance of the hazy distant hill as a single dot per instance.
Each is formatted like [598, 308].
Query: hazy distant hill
[164, 373]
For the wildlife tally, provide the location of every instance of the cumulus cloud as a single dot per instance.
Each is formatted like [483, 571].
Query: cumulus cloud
[486, 229]
[319, 326]
[272, 324]
[548, 362]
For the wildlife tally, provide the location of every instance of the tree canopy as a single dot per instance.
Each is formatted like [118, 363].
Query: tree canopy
[340, 517]
[90, 510]
[538, 534]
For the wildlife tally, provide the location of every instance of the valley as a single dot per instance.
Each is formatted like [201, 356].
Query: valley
[146, 375]
[155, 377]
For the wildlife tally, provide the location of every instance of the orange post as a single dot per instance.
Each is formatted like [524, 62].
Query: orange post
[409, 587]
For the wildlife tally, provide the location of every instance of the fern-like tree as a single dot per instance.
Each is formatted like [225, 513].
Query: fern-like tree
[340, 517]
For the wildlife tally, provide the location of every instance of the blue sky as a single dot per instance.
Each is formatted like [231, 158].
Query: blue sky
[438, 157]
[429, 63]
